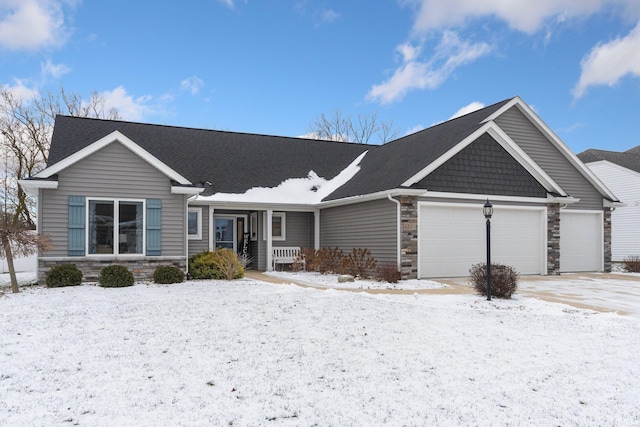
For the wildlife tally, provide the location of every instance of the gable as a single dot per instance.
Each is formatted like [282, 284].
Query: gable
[483, 167]
[113, 137]
[113, 171]
[548, 156]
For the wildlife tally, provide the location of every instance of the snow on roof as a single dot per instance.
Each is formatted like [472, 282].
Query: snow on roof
[308, 190]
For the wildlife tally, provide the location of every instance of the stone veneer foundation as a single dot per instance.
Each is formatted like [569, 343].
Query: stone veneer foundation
[553, 239]
[409, 237]
[607, 239]
[142, 268]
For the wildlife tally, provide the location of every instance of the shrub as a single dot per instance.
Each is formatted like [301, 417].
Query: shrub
[227, 264]
[328, 260]
[64, 275]
[221, 264]
[358, 263]
[306, 260]
[201, 266]
[115, 276]
[631, 264]
[167, 274]
[504, 279]
[389, 272]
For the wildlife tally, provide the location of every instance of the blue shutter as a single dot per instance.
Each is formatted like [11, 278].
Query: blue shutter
[76, 225]
[154, 225]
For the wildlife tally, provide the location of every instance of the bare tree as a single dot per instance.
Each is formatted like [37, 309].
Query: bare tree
[338, 127]
[26, 127]
[16, 239]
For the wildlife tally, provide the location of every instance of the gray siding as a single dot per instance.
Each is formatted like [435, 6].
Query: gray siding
[299, 232]
[533, 142]
[371, 225]
[197, 246]
[113, 172]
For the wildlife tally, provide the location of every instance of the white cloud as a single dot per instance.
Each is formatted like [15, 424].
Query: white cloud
[229, 3]
[451, 53]
[130, 108]
[329, 15]
[607, 63]
[21, 91]
[31, 24]
[193, 84]
[54, 70]
[523, 15]
[470, 108]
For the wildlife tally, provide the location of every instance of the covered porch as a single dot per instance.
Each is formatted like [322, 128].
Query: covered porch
[251, 230]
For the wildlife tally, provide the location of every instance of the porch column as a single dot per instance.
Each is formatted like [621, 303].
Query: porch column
[316, 229]
[212, 230]
[269, 232]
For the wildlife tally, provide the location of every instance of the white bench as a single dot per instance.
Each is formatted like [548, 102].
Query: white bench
[285, 255]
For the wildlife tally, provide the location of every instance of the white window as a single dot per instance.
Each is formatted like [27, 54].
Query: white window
[115, 227]
[194, 223]
[278, 226]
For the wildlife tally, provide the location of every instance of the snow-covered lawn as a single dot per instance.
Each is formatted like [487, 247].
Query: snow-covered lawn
[248, 353]
[331, 281]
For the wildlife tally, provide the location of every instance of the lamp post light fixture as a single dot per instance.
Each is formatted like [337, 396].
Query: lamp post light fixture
[487, 210]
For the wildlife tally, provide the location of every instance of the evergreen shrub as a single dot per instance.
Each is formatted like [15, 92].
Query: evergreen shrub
[64, 275]
[115, 276]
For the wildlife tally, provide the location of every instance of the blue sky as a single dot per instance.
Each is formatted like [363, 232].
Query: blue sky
[272, 66]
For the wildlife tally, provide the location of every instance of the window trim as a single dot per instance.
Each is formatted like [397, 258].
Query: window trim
[283, 224]
[198, 235]
[116, 220]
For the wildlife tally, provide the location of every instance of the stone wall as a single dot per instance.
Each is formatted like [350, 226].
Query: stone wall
[142, 268]
[553, 239]
[409, 237]
[607, 239]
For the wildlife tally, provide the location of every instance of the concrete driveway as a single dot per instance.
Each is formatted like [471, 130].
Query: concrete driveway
[606, 292]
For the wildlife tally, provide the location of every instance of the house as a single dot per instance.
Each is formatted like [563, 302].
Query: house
[620, 172]
[145, 195]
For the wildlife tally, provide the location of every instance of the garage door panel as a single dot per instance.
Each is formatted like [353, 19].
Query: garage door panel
[580, 241]
[453, 238]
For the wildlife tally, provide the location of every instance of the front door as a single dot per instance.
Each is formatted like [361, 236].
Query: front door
[225, 235]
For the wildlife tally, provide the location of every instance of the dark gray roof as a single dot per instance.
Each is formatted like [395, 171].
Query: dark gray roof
[386, 167]
[625, 159]
[233, 162]
[635, 151]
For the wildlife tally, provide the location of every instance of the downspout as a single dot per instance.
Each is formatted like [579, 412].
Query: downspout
[398, 232]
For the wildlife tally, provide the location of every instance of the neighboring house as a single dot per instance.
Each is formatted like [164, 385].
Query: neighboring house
[145, 195]
[620, 172]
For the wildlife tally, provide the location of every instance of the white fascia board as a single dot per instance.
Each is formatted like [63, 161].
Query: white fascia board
[373, 196]
[32, 186]
[446, 156]
[482, 197]
[115, 136]
[38, 183]
[176, 189]
[255, 206]
[556, 141]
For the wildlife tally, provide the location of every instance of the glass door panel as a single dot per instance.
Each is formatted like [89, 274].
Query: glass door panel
[225, 233]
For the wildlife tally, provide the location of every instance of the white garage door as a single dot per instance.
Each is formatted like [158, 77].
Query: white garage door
[452, 237]
[580, 241]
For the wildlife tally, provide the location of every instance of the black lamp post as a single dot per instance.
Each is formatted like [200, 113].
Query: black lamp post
[487, 210]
